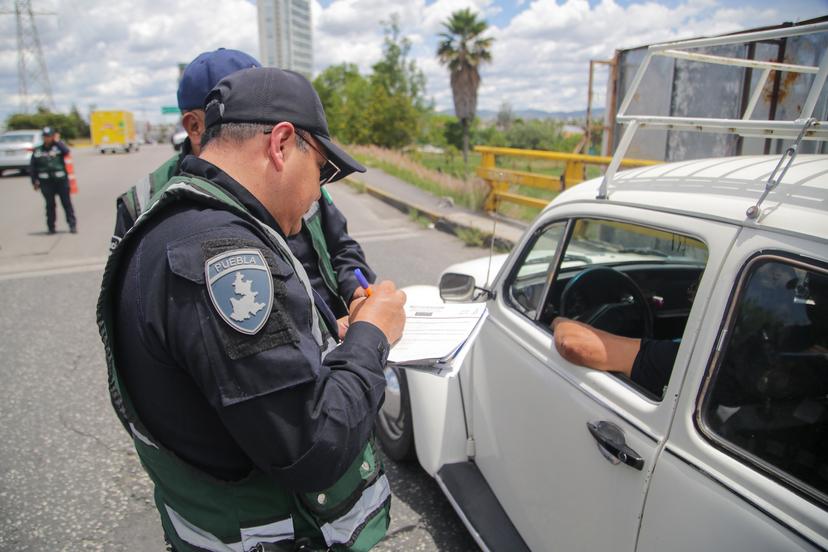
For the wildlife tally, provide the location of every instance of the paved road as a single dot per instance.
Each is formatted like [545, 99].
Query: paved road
[69, 479]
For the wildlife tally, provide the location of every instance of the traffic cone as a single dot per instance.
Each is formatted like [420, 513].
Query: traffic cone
[70, 172]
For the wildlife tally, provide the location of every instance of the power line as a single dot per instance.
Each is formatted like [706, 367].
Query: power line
[34, 87]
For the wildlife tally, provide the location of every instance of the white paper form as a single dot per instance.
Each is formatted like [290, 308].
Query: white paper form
[435, 332]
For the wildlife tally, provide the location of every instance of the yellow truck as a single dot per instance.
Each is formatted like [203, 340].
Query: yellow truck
[113, 131]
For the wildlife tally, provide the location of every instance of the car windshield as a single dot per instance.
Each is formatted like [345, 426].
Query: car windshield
[16, 138]
[614, 243]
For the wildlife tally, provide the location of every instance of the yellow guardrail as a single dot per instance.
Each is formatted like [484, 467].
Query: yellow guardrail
[500, 179]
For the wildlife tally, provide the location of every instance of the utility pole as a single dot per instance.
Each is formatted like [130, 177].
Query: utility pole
[34, 87]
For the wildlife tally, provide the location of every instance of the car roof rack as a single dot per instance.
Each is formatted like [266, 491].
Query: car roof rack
[803, 128]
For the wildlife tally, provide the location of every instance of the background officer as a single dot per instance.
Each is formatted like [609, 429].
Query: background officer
[48, 172]
[252, 423]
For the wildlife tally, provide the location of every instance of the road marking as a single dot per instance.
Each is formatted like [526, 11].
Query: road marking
[37, 270]
[387, 235]
[51, 269]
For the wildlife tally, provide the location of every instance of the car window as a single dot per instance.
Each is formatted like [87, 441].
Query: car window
[16, 138]
[629, 280]
[768, 397]
[529, 279]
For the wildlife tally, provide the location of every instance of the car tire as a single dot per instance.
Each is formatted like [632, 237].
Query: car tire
[395, 427]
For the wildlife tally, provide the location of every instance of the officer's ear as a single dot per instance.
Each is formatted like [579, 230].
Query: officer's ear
[281, 139]
[193, 123]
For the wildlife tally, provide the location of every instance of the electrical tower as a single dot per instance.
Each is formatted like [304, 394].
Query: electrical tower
[34, 87]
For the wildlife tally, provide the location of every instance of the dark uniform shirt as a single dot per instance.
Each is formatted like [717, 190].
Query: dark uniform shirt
[654, 363]
[346, 255]
[222, 400]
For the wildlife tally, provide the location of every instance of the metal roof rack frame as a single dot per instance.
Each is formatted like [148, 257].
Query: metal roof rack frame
[803, 128]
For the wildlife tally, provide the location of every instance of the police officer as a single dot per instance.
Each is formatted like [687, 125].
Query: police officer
[328, 254]
[253, 424]
[48, 173]
[198, 78]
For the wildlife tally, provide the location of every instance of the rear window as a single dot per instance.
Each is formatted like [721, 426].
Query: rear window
[768, 397]
[16, 138]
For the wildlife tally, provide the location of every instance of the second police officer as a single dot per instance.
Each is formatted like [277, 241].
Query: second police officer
[49, 175]
[328, 254]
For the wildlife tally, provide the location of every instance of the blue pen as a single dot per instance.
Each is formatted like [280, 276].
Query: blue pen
[363, 281]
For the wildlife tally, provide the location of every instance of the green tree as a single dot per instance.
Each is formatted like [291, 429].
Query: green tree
[70, 126]
[398, 88]
[346, 97]
[505, 117]
[387, 107]
[463, 49]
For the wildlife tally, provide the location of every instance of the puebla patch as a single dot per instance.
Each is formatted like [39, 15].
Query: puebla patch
[241, 288]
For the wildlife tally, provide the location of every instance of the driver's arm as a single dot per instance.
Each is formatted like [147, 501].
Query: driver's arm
[587, 346]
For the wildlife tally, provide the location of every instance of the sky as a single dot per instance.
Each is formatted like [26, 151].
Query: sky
[124, 55]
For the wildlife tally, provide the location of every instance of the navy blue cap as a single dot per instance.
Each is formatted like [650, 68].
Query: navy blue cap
[47, 131]
[205, 71]
[267, 95]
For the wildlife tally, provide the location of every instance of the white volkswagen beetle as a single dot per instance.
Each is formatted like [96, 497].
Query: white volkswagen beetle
[730, 453]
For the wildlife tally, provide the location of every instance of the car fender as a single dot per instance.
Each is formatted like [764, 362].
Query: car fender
[436, 405]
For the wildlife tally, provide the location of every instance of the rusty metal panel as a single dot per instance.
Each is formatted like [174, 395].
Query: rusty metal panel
[705, 90]
[793, 89]
[653, 98]
[688, 88]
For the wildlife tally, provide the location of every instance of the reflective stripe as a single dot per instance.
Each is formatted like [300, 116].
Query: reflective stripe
[142, 193]
[312, 211]
[342, 529]
[199, 537]
[43, 175]
[251, 536]
[60, 173]
[272, 532]
[140, 436]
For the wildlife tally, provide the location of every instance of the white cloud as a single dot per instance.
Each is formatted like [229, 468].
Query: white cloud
[541, 56]
[115, 55]
[126, 55]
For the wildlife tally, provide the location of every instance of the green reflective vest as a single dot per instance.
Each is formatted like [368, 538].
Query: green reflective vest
[313, 224]
[137, 198]
[48, 167]
[200, 512]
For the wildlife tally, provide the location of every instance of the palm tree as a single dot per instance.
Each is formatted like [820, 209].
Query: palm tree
[463, 49]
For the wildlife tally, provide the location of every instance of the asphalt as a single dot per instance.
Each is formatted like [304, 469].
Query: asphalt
[443, 213]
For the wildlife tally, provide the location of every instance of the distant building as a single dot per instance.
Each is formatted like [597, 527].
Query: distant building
[285, 38]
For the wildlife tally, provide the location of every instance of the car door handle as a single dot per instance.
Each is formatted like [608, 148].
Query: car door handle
[612, 444]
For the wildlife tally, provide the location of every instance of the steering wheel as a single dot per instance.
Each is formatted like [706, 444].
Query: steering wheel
[613, 301]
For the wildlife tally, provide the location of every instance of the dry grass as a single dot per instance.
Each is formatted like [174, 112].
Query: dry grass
[469, 193]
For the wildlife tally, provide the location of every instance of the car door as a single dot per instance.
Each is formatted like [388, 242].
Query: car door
[530, 409]
[746, 463]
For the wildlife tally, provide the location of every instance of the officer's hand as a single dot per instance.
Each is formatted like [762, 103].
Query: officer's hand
[36, 186]
[359, 292]
[342, 325]
[384, 309]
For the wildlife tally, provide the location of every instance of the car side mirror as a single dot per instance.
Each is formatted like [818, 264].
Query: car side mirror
[457, 288]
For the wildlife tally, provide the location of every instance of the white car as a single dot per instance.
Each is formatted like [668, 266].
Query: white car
[177, 139]
[728, 451]
[16, 147]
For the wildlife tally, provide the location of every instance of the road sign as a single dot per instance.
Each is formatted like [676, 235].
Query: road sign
[170, 110]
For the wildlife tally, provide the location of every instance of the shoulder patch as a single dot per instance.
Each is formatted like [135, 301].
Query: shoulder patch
[241, 288]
